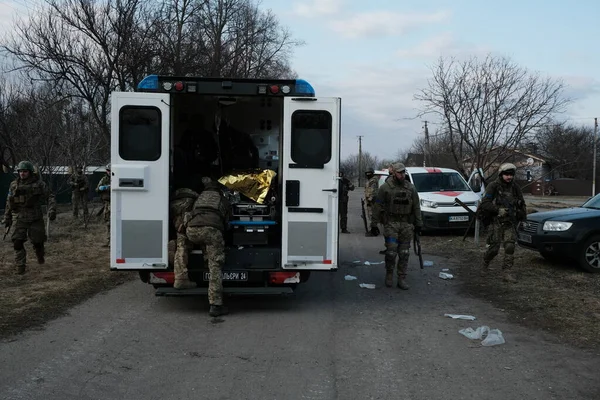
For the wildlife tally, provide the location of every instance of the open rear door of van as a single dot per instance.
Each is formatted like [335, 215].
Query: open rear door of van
[310, 165]
[140, 143]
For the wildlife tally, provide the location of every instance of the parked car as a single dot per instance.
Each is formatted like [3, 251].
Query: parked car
[566, 234]
[438, 188]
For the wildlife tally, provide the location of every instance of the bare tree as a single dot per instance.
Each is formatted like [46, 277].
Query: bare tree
[569, 149]
[349, 166]
[486, 104]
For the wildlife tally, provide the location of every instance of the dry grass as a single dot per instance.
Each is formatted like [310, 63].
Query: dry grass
[76, 268]
[558, 298]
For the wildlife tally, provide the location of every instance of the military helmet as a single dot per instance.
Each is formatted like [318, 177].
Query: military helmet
[25, 165]
[398, 167]
[506, 167]
[370, 171]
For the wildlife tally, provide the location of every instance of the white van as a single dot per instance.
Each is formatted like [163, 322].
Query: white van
[272, 144]
[438, 190]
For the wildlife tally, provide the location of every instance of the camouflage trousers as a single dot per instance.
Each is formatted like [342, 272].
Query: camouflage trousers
[180, 259]
[213, 247]
[79, 198]
[397, 237]
[34, 230]
[106, 216]
[369, 212]
[343, 215]
[501, 234]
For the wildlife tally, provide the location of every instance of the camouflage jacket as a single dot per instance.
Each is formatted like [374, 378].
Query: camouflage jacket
[104, 194]
[182, 201]
[508, 196]
[371, 189]
[25, 199]
[79, 182]
[210, 209]
[397, 202]
[345, 187]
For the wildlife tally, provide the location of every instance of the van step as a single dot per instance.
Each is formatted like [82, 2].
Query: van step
[169, 291]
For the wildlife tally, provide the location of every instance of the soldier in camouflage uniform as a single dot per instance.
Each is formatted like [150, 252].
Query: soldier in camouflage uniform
[182, 202]
[204, 226]
[398, 201]
[103, 189]
[345, 186]
[504, 206]
[26, 195]
[79, 192]
[370, 192]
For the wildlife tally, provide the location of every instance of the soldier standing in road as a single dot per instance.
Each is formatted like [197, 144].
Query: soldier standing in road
[79, 187]
[204, 226]
[181, 203]
[345, 186]
[398, 201]
[370, 192]
[26, 195]
[504, 206]
[103, 189]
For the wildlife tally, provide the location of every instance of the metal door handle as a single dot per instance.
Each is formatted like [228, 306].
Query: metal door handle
[330, 190]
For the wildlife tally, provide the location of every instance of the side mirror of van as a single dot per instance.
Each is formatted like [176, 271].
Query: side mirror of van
[476, 187]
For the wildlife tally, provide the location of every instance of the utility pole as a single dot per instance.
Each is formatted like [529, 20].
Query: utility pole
[360, 160]
[594, 161]
[426, 156]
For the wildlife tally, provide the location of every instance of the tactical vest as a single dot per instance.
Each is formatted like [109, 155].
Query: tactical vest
[210, 209]
[399, 205]
[27, 194]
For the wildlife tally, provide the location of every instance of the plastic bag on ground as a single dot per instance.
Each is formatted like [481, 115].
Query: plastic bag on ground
[479, 333]
[350, 278]
[367, 285]
[494, 337]
[460, 316]
[445, 275]
[427, 263]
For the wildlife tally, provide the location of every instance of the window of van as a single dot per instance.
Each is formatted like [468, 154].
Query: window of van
[139, 133]
[437, 182]
[311, 137]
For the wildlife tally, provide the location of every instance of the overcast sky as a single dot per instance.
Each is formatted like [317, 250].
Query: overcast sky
[375, 55]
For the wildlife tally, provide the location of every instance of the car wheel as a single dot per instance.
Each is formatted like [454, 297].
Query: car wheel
[589, 254]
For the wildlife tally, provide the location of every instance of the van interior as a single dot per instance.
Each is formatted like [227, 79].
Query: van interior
[218, 136]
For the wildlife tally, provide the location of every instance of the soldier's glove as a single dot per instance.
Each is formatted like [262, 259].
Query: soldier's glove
[103, 188]
[52, 215]
[503, 212]
[374, 231]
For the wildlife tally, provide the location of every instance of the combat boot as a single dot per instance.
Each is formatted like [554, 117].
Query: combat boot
[21, 269]
[402, 284]
[345, 231]
[184, 283]
[389, 278]
[216, 311]
[510, 278]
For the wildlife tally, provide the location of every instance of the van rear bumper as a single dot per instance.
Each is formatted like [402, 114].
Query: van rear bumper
[442, 221]
[203, 291]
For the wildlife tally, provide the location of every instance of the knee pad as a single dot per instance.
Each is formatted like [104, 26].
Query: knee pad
[509, 248]
[18, 244]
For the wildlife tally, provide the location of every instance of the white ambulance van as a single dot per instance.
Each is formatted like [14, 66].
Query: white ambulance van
[438, 190]
[274, 147]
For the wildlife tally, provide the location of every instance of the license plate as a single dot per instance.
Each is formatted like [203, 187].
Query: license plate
[230, 276]
[458, 218]
[524, 237]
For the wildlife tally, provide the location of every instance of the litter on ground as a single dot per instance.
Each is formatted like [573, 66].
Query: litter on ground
[367, 285]
[350, 278]
[428, 263]
[492, 337]
[445, 275]
[460, 316]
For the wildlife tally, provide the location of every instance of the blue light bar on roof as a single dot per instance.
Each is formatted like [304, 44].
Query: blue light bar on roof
[304, 87]
[149, 83]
